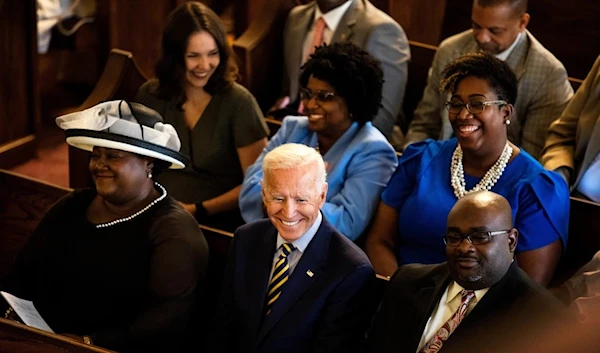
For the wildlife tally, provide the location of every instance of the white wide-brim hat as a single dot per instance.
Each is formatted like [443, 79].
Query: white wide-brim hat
[125, 126]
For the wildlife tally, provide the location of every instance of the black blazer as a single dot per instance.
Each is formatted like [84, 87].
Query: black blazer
[515, 315]
[325, 312]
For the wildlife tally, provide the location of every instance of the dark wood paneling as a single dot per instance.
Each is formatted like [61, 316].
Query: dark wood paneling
[19, 109]
[421, 20]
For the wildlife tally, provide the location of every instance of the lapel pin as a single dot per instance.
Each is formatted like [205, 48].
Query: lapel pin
[310, 273]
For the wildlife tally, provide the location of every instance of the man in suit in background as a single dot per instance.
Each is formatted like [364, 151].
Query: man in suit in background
[292, 282]
[357, 21]
[479, 300]
[499, 28]
[573, 144]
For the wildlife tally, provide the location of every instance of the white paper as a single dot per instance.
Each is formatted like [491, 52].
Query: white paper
[27, 312]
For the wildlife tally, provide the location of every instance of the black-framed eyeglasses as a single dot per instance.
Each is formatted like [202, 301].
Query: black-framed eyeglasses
[321, 96]
[475, 238]
[472, 107]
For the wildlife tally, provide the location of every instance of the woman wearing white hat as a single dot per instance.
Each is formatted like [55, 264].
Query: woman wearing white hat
[119, 265]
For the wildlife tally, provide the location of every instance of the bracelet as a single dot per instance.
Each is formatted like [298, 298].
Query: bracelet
[201, 213]
[8, 311]
[87, 340]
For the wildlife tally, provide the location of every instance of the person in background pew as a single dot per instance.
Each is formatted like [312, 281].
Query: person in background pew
[573, 143]
[478, 300]
[358, 22]
[221, 127]
[292, 282]
[341, 94]
[499, 29]
[432, 175]
[119, 266]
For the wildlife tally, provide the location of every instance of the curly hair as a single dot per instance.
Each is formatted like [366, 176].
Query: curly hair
[187, 19]
[354, 74]
[497, 73]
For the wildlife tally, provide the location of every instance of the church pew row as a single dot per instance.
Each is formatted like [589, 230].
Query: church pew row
[16, 337]
[23, 202]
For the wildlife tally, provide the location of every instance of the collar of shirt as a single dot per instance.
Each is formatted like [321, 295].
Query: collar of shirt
[504, 55]
[302, 242]
[454, 290]
[333, 17]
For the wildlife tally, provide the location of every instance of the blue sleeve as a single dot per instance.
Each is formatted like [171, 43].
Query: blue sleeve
[351, 209]
[404, 179]
[250, 200]
[543, 212]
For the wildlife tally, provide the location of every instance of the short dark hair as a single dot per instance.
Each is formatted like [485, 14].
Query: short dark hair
[518, 7]
[187, 19]
[354, 74]
[497, 73]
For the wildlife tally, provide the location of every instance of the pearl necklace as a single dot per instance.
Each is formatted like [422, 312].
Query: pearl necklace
[457, 174]
[120, 220]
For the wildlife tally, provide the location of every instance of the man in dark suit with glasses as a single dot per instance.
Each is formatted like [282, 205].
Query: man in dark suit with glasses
[477, 301]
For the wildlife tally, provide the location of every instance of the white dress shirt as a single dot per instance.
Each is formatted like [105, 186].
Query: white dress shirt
[332, 20]
[504, 55]
[447, 306]
[301, 244]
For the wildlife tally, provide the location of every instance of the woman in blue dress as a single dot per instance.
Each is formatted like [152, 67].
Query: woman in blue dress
[431, 175]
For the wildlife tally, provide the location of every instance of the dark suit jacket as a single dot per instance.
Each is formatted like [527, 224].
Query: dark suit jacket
[515, 315]
[325, 312]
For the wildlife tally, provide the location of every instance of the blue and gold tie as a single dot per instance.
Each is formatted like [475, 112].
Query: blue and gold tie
[280, 276]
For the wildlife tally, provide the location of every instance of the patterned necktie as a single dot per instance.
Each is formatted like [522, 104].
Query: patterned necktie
[436, 342]
[280, 275]
[318, 30]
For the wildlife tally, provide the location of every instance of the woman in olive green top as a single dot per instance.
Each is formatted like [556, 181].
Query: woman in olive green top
[221, 127]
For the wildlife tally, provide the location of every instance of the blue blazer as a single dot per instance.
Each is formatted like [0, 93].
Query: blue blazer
[326, 312]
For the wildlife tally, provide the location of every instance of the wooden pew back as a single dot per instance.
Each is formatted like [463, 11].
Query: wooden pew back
[23, 203]
[15, 337]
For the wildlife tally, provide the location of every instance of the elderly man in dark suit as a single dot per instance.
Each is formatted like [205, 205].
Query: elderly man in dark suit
[479, 300]
[293, 283]
[359, 22]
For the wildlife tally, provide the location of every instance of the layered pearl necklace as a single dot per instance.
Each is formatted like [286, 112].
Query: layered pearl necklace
[457, 174]
[120, 220]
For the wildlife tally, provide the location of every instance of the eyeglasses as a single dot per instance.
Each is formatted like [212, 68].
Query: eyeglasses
[475, 238]
[472, 107]
[321, 96]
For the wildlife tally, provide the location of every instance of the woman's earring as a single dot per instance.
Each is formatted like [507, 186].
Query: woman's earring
[507, 121]
[150, 174]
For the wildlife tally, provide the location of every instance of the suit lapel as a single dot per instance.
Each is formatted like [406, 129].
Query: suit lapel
[257, 276]
[345, 29]
[298, 32]
[314, 260]
[518, 57]
[427, 299]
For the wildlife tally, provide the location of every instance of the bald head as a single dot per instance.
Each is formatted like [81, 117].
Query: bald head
[487, 202]
[483, 259]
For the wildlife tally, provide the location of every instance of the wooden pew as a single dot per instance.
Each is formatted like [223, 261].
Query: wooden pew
[23, 203]
[120, 80]
[16, 337]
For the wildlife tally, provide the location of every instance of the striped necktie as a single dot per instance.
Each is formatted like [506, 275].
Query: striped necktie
[280, 275]
[436, 342]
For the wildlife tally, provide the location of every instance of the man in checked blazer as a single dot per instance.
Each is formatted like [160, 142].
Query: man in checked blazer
[509, 312]
[499, 28]
[361, 23]
[573, 144]
[324, 305]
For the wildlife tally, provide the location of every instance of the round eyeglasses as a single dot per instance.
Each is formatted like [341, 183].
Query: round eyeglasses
[475, 238]
[321, 96]
[472, 107]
